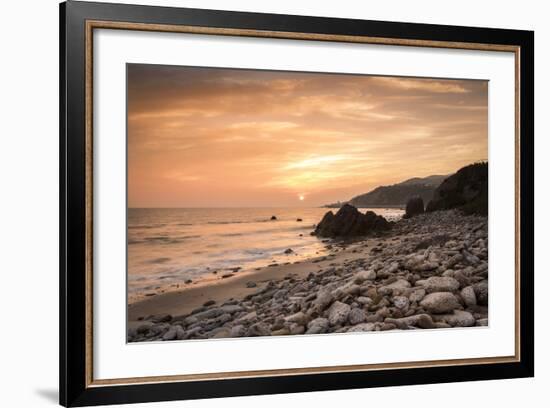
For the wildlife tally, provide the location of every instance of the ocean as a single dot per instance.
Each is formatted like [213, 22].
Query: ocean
[167, 246]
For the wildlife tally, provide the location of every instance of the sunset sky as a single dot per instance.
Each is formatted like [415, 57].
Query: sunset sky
[211, 137]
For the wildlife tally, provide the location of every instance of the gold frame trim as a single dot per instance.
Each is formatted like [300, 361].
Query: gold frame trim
[99, 24]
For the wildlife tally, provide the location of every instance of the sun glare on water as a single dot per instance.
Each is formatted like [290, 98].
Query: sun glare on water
[301, 197]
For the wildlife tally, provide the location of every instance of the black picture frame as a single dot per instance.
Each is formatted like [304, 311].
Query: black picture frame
[75, 389]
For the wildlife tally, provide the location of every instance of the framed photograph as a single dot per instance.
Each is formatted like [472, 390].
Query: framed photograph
[256, 203]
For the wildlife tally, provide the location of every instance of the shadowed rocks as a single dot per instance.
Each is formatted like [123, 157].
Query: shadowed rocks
[350, 222]
[415, 206]
[466, 190]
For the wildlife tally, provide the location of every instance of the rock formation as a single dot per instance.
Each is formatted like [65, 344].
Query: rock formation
[350, 222]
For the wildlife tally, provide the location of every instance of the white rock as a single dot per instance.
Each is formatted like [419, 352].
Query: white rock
[338, 313]
[440, 302]
[299, 318]
[401, 302]
[459, 318]
[439, 284]
[364, 275]
[364, 300]
[363, 327]
[400, 284]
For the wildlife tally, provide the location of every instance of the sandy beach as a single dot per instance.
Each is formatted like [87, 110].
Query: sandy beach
[244, 282]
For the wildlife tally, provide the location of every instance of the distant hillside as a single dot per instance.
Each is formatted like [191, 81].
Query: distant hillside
[397, 195]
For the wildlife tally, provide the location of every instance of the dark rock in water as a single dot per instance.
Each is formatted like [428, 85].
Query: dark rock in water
[349, 222]
[466, 190]
[273, 218]
[299, 220]
[288, 251]
[415, 206]
[188, 281]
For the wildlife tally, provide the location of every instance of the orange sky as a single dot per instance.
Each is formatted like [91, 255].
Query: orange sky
[210, 137]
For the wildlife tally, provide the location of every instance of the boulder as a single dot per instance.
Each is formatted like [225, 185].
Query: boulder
[439, 284]
[356, 316]
[459, 318]
[415, 206]
[364, 275]
[316, 326]
[349, 222]
[399, 286]
[440, 302]
[338, 313]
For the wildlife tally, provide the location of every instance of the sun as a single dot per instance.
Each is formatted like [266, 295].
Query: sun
[301, 197]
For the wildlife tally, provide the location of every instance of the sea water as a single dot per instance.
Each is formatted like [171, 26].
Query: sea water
[168, 246]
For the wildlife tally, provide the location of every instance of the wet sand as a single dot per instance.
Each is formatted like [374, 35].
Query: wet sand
[183, 301]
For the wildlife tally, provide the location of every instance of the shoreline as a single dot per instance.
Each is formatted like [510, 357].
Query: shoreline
[184, 300]
[428, 271]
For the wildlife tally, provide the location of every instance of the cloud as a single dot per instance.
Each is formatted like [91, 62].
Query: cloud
[428, 85]
[244, 137]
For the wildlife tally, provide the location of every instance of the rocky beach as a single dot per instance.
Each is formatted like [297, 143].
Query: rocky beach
[428, 271]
